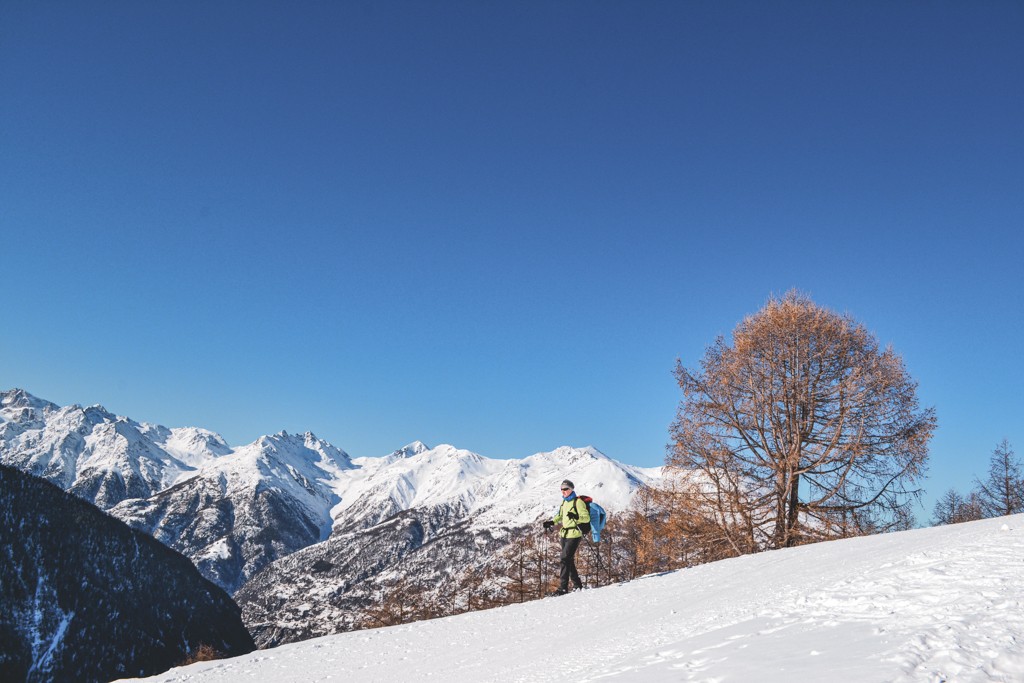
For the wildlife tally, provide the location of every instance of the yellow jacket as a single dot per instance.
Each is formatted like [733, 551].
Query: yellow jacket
[570, 526]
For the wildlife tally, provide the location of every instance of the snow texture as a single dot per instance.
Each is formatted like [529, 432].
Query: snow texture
[929, 605]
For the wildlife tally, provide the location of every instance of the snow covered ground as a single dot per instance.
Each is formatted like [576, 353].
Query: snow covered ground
[940, 604]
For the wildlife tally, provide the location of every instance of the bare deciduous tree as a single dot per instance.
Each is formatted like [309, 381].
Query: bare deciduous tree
[1003, 492]
[801, 428]
[952, 508]
[527, 573]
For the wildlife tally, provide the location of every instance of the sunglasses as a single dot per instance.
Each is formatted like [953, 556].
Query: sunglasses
[564, 489]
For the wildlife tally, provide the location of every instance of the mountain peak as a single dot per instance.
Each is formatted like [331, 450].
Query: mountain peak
[409, 450]
[571, 455]
[306, 447]
[284, 436]
[19, 398]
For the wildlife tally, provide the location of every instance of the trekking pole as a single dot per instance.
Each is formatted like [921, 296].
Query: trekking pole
[597, 550]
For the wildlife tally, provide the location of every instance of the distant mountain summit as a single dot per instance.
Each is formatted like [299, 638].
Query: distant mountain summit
[16, 401]
[415, 448]
[100, 457]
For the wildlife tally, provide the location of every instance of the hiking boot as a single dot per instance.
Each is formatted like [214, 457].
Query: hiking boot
[560, 591]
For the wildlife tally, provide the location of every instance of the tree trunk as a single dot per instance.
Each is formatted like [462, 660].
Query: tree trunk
[792, 514]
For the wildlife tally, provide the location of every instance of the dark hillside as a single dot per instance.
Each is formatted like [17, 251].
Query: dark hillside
[85, 598]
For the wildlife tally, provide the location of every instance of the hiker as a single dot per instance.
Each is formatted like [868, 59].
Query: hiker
[575, 520]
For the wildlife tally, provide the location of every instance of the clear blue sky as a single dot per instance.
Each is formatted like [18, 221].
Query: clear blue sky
[497, 225]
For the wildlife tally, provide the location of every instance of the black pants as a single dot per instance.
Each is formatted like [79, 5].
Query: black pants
[568, 566]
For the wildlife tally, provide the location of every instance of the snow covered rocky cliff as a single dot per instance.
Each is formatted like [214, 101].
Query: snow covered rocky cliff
[236, 514]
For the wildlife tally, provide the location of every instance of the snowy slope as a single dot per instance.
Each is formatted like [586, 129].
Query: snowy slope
[940, 604]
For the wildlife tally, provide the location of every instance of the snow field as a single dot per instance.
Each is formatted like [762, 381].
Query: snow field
[928, 605]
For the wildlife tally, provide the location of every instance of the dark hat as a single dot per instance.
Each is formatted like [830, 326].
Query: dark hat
[566, 482]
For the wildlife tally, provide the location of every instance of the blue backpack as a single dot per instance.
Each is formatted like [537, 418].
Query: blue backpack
[598, 517]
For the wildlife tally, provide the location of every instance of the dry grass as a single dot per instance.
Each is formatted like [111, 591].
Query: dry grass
[204, 653]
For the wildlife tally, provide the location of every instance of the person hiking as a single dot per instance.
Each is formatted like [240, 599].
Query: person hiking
[575, 520]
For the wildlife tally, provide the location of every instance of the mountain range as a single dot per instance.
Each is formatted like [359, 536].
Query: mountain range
[299, 531]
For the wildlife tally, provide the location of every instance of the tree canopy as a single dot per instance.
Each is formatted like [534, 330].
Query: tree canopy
[800, 428]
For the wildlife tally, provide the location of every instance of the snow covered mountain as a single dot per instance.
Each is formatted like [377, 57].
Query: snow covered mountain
[939, 604]
[96, 455]
[230, 510]
[240, 512]
[289, 516]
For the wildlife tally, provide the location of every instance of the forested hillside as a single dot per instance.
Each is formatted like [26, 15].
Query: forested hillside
[85, 598]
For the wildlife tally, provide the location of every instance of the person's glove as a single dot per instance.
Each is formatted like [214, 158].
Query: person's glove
[585, 527]
[573, 515]
[548, 524]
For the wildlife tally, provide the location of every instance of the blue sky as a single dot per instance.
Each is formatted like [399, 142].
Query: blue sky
[497, 225]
